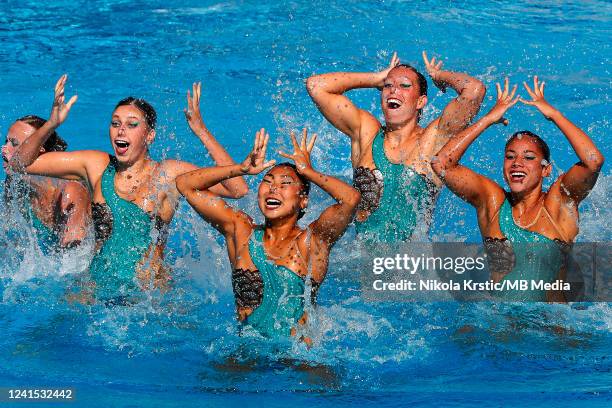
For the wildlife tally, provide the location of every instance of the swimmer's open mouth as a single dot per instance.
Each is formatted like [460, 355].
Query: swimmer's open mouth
[122, 146]
[393, 103]
[517, 176]
[272, 203]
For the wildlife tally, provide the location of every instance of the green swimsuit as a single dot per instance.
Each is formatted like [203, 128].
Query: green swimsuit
[47, 238]
[281, 304]
[407, 198]
[127, 232]
[542, 261]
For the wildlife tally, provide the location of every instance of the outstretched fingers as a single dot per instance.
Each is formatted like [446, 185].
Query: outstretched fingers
[394, 60]
[304, 137]
[529, 91]
[311, 143]
[296, 146]
[71, 102]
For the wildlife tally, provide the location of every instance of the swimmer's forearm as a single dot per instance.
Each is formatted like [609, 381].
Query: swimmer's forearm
[582, 144]
[452, 152]
[342, 192]
[341, 82]
[465, 85]
[205, 178]
[237, 186]
[29, 150]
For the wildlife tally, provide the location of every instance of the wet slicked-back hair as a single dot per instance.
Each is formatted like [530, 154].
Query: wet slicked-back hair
[305, 183]
[421, 80]
[537, 140]
[145, 107]
[54, 142]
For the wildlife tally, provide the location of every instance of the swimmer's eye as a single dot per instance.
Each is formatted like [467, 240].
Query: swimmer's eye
[115, 124]
[530, 157]
[510, 156]
[406, 85]
[133, 124]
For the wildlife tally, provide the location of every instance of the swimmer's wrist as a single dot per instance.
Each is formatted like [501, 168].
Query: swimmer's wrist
[555, 115]
[309, 173]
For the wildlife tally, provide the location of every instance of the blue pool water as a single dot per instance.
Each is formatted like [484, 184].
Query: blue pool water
[252, 59]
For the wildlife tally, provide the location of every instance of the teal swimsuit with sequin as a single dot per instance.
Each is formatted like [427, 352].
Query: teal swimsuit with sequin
[532, 256]
[125, 232]
[274, 292]
[407, 198]
[47, 238]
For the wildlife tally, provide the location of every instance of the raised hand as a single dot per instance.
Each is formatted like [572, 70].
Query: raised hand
[301, 152]
[60, 109]
[505, 100]
[537, 98]
[434, 68]
[255, 162]
[192, 113]
[383, 74]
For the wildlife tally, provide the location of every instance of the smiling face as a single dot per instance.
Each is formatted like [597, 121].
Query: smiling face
[16, 135]
[129, 133]
[280, 194]
[525, 165]
[401, 97]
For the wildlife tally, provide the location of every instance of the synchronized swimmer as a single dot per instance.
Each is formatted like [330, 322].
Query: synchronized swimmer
[399, 169]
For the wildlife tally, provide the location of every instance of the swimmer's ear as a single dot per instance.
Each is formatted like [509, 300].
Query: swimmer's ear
[546, 170]
[422, 101]
[150, 136]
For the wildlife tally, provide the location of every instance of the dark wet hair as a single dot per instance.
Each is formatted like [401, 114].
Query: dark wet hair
[421, 80]
[145, 107]
[54, 142]
[537, 140]
[305, 183]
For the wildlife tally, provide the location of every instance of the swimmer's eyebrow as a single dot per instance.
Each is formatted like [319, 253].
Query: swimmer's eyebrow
[403, 78]
[524, 151]
[129, 117]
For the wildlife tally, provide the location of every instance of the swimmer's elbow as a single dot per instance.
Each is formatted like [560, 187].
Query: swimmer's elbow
[182, 185]
[354, 198]
[314, 85]
[476, 91]
[595, 162]
[241, 190]
[439, 165]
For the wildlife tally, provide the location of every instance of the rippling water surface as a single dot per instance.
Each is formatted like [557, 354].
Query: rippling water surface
[252, 59]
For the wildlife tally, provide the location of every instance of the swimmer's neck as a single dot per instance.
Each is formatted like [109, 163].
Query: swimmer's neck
[280, 229]
[527, 199]
[398, 133]
[136, 167]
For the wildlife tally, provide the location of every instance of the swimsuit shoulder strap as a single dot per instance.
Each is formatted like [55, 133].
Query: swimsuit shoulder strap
[378, 148]
[554, 224]
[108, 179]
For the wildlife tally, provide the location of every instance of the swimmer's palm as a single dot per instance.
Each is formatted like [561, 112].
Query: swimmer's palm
[301, 151]
[537, 98]
[60, 109]
[256, 162]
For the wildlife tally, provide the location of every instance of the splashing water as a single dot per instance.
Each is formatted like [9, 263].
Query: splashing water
[183, 344]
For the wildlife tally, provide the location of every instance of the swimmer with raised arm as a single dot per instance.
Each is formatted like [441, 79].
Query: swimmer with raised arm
[134, 197]
[58, 210]
[391, 162]
[271, 262]
[526, 214]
